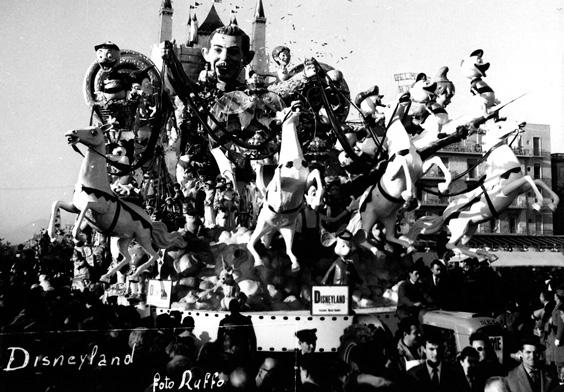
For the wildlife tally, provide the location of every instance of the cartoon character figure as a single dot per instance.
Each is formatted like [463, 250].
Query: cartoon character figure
[227, 205]
[474, 68]
[281, 56]
[369, 101]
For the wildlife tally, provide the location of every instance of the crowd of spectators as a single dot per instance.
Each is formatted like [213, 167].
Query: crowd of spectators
[41, 312]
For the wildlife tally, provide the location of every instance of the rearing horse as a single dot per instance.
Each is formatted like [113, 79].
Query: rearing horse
[285, 193]
[98, 207]
[503, 182]
[382, 201]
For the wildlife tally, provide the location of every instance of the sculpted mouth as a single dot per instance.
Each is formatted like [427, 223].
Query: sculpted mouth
[107, 65]
[72, 139]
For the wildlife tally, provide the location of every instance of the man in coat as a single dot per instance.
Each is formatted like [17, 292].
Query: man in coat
[434, 375]
[410, 295]
[530, 376]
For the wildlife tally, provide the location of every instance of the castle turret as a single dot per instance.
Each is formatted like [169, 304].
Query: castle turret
[233, 20]
[193, 39]
[211, 23]
[258, 40]
[165, 33]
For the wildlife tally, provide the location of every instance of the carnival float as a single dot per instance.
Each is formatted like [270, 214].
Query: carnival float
[216, 181]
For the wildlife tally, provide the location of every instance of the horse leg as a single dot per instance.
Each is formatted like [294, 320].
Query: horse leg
[443, 186]
[153, 257]
[55, 221]
[261, 229]
[408, 192]
[91, 205]
[554, 197]
[390, 225]
[458, 229]
[123, 246]
[516, 185]
[287, 234]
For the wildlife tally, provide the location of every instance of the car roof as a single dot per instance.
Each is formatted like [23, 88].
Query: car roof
[462, 322]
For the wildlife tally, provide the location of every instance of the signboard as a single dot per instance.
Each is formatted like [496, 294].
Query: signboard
[497, 344]
[330, 300]
[159, 293]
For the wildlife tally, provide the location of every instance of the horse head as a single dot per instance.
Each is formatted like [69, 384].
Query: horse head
[496, 131]
[91, 137]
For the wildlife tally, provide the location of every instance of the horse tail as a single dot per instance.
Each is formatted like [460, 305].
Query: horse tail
[162, 239]
[427, 225]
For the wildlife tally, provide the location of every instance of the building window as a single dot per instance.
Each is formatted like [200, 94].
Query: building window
[537, 146]
[512, 224]
[537, 171]
[472, 163]
[538, 224]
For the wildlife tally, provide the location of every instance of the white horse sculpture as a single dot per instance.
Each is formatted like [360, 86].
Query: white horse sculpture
[503, 182]
[382, 201]
[284, 197]
[98, 207]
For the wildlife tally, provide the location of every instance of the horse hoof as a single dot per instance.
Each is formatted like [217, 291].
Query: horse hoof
[105, 279]
[296, 267]
[536, 206]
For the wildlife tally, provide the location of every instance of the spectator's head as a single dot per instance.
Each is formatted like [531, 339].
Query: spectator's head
[188, 323]
[496, 384]
[234, 306]
[307, 340]
[433, 347]
[479, 342]
[468, 359]
[410, 332]
[266, 371]
[414, 273]
[530, 350]
[239, 378]
[559, 295]
[437, 267]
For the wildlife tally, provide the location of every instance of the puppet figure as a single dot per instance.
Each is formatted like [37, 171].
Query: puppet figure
[474, 68]
[281, 56]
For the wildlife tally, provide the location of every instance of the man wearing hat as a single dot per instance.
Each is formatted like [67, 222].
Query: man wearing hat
[530, 376]
[307, 339]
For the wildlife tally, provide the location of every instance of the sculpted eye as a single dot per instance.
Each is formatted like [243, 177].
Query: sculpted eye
[94, 132]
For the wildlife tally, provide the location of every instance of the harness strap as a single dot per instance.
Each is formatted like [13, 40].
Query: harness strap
[388, 196]
[401, 153]
[286, 211]
[495, 214]
[116, 218]
[506, 175]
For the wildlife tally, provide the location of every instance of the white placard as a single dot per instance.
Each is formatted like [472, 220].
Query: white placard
[330, 300]
[159, 293]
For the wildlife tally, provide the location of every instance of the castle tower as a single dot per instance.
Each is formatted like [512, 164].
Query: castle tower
[165, 33]
[193, 38]
[233, 20]
[211, 23]
[188, 28]
[258, 40]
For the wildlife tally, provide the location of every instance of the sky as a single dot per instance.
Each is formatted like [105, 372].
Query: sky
[47, 46]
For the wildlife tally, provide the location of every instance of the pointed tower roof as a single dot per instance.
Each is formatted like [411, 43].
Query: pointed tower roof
[259, 12]
[166, 4]
[233, 20]
[211, 22]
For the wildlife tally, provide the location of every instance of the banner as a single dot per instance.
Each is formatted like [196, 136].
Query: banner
[330, 300]
[159, 293]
